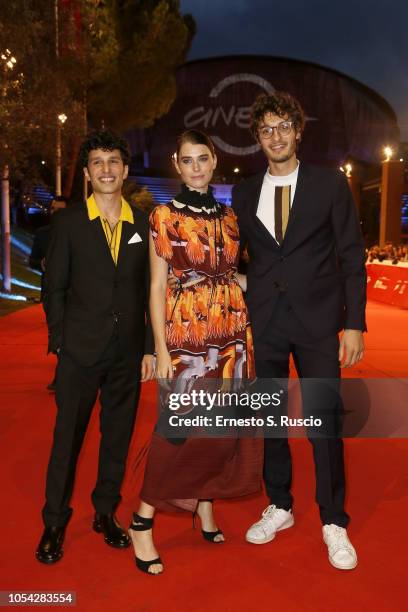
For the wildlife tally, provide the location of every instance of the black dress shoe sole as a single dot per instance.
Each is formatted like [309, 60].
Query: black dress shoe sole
[48, 561]
[111, 543]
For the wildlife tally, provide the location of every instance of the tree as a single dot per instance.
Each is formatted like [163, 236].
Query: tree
[128, 53]
[135, 48]
[116, 65]
[34, 90]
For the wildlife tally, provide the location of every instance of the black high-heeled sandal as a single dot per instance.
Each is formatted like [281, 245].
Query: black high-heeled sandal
[140, 523]
[208, 535]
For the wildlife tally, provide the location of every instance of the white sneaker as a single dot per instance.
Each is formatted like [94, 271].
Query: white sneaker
[273, 519]
[341, 551]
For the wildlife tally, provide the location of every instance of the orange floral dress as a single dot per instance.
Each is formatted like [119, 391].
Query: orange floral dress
[208, 335]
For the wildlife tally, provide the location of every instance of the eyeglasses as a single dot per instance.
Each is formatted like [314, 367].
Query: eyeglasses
[283, 129]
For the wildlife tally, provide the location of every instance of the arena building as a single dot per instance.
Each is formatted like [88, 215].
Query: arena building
[347, 123]
[345, 119]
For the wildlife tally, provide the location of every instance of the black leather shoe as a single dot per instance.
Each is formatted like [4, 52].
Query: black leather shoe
[50, 547]
[113, 533]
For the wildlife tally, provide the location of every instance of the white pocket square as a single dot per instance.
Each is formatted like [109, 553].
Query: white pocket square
[135, 238]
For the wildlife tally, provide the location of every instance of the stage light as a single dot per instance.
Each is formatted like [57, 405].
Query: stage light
[20, 283]
[11, 296]
[20, 245]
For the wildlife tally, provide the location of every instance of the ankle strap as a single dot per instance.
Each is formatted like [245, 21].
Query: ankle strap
[140, 523]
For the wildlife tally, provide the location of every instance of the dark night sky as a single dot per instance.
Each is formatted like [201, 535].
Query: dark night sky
[365, 39]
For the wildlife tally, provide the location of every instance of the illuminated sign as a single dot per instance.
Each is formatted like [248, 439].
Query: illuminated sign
[212, 116]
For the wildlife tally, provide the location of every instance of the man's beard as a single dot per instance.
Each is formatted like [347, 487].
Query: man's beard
[281, 158]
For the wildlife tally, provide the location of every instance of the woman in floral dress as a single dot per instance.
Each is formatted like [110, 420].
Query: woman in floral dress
[201, 330]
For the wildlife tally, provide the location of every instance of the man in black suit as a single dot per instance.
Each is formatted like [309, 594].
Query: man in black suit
[97, 282]
[41, 243]
[305, 282]
[39, 250]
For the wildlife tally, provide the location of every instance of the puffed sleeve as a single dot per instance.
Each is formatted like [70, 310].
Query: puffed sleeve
[160, 219]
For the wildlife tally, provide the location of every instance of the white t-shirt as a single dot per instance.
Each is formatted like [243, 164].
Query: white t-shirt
[266, 205]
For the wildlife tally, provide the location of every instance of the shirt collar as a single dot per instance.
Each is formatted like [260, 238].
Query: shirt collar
[283, 180]
[94, 212]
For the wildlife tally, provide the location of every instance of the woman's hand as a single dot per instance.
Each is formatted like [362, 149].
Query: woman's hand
[164, 367]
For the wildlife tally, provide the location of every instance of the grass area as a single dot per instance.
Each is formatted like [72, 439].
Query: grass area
[20, 270]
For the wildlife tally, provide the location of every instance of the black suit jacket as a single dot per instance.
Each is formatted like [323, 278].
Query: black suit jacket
[87, 293]
[39, 250]
[320, 264]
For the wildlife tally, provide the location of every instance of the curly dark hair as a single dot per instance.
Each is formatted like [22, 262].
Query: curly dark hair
[279, 103]
[105, 140]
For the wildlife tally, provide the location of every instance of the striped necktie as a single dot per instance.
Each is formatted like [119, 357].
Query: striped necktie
[282, 209]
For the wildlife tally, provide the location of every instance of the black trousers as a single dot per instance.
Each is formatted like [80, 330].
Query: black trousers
[313, 359]
[117, 376]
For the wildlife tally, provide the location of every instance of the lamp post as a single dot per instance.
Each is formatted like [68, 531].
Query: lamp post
[61, 119]
[392, 189]
[8, 62]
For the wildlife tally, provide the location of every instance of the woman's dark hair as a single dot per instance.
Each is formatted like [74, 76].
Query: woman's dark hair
[105, 140]
[194, 137]
[279, 103]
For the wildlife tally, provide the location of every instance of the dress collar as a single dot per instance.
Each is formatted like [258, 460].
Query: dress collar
[196, 201]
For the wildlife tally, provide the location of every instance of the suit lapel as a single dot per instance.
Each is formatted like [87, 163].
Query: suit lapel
[254, 209]
[296, 208]
[127, 232]
[102, 248]
[298, 201]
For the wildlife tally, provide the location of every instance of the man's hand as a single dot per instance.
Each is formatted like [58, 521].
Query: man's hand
[241, 280]
[147, 368]
[172, 281]
[351, 347]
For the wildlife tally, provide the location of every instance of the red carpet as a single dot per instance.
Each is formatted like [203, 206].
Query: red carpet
[291, 573]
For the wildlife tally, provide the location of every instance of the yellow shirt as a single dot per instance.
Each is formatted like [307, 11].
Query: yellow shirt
[114, 235]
